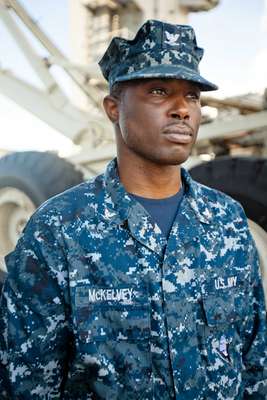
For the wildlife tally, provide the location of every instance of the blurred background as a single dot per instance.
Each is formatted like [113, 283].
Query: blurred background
[234, 35]
[53, 130]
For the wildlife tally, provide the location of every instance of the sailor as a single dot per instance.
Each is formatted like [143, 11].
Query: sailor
[140, 283]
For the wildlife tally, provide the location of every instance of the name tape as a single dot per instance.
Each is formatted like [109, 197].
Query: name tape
[124, 295]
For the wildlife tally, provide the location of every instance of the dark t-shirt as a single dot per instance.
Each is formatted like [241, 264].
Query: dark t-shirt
[163, 211]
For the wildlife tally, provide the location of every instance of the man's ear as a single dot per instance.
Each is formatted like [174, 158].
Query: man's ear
[111, 106]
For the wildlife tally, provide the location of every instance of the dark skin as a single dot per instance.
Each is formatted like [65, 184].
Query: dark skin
[156, 123]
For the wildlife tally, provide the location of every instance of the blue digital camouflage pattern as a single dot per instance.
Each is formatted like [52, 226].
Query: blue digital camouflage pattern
[159, 50]
[98, 306]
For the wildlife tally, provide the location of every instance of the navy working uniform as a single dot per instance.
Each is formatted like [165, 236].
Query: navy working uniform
[99, 305]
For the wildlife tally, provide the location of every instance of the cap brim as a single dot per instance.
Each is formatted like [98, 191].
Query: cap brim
[171, 72]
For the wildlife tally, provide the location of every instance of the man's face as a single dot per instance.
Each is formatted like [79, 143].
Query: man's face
[158, 119]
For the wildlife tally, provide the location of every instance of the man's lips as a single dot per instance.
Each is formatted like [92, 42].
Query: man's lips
[178, 133]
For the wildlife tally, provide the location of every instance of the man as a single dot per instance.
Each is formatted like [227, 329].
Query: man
[140, 284]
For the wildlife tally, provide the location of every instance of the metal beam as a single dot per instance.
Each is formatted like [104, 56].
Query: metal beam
[241, 104]
[33, 58]
[220, 129]
[80, 79]
[89, 156]
[65, 118]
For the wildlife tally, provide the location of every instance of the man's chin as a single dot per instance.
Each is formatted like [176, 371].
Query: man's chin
[165, 159]
[172, 160]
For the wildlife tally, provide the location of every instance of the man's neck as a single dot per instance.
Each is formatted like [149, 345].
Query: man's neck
[150, 180]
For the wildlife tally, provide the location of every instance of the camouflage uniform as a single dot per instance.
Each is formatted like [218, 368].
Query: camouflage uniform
[98, 305]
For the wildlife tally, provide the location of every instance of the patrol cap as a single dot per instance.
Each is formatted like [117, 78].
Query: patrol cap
[159, 50]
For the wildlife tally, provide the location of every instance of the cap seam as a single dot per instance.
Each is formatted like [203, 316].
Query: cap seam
[162, 35]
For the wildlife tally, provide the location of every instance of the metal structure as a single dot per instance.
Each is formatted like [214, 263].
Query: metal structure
[99, 20]
[239, 129]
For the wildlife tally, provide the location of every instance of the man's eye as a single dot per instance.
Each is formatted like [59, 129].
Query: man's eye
[158, 91]
[194, 96]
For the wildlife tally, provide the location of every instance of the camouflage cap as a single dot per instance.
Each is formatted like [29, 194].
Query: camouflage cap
[159, 50]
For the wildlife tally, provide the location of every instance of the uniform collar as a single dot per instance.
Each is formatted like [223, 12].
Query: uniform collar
[196, 198]
[125, 210]
[120, 198]
[121, 209]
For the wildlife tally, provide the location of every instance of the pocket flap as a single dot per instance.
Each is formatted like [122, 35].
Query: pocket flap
[223, 309]
[113, 323]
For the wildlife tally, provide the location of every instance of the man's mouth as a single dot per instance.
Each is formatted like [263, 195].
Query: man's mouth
[181, 134]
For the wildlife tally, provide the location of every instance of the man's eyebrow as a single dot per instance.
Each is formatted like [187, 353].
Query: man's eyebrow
[196, 88]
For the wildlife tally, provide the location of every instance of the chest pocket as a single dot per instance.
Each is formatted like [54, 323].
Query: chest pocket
[113, 331]
[120, 314]
[226, 309]
[225, 300]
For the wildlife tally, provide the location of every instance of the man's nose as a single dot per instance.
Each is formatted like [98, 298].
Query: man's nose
[179, 109]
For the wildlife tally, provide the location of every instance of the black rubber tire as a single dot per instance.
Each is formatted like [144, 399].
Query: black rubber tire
[244, 179]
[40, 175]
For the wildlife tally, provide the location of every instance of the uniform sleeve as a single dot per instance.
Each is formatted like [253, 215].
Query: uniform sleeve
[34, 328]
[255, 345]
